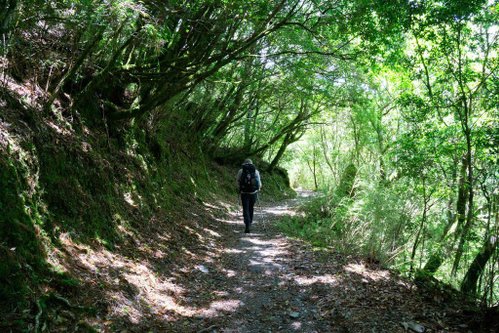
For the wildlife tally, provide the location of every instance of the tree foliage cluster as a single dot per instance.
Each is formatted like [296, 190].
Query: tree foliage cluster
[111, 110]
[230, 73]
[390, 104]
[410, 161]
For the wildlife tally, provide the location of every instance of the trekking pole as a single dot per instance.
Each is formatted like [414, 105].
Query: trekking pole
[240, 200]
[264, 226]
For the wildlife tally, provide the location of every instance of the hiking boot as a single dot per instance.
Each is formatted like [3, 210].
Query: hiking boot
[247, 230]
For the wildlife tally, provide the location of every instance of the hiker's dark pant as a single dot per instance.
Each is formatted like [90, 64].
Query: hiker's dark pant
[248, 201]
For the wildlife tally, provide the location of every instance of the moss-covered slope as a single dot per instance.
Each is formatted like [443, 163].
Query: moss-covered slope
[62, 179]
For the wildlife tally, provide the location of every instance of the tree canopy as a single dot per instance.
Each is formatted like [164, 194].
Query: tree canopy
[389, 107]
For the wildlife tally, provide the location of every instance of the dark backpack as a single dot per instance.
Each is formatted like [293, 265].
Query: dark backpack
[248, 182]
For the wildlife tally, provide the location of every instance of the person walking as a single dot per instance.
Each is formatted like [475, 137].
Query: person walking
[250, 182]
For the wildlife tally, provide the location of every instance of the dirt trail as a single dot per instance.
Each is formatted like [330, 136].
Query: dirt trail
[265, 282]
[262, 266]
[213, 278]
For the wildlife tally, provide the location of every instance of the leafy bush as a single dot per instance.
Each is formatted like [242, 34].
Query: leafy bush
[371, 223]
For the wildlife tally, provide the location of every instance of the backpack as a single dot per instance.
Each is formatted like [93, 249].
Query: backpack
[248, 182]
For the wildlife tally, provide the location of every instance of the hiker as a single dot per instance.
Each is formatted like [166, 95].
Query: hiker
[249, 182]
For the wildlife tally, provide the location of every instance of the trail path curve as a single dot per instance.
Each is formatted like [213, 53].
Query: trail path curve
[266, 282]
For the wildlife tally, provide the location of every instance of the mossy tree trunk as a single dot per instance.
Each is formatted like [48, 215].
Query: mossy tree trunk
[347, 181]
[446, 243]
[7, 13]
[469, 284]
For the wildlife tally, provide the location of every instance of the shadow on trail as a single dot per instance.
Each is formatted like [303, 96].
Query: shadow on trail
[235, 282]
[263, 282]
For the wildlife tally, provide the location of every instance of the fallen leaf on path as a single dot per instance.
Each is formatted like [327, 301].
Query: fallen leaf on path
[415, 327]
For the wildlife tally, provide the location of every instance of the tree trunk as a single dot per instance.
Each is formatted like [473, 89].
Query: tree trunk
[356, 138]
[469, 216]
[7, 11]
[325, 150]
[316, 185]
[464, 110]
[100, 78]
[280, 152]
[421, 226]
[313, 169]
[444, 243]
[469, 284]
[247, 129]
[76, 66]
[462, 197]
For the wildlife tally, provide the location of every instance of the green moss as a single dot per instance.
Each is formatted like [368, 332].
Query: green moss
[58, 187]
[347, 181]
[276, 185]
[21, 253]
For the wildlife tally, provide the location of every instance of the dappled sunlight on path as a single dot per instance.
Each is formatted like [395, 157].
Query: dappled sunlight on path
[232, 282]
[269, 283]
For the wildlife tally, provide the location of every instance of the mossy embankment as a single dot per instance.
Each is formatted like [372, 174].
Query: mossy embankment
[63, 179]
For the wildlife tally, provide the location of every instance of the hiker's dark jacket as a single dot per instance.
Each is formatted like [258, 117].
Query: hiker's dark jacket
[257, 177]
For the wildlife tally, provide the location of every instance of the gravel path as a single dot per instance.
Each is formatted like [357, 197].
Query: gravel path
[266, 282]
[213, 278]
[263, 280]
[251, 284]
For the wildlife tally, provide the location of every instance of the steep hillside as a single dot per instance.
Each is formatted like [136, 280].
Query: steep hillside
[66, 185]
